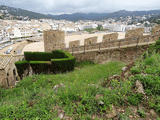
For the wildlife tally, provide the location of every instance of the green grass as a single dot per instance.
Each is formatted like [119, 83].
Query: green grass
[35, 97]
[43, 96]
[149, 75]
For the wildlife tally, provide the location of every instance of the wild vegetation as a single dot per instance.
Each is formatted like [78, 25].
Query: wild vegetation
[91, 91]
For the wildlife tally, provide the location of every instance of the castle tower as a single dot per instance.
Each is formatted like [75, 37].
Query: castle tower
[53, 40]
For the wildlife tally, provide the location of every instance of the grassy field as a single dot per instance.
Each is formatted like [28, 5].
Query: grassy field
[42, 96]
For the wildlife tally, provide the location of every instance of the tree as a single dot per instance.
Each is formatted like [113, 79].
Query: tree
[100, 27]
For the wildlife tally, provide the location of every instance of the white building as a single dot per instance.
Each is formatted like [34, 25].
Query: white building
[17, 33]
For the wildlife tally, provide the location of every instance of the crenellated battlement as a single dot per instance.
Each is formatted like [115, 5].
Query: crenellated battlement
[56, 40]
[134, 37]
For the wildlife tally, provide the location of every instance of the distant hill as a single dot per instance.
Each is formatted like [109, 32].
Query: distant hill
[78, 16]
[81, 16]
[24, 13]
[101, 16]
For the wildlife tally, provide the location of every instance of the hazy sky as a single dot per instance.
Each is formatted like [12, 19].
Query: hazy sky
[71, 6]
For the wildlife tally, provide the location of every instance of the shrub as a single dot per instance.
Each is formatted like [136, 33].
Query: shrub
[21, 67]
[59, 54]
[38, 56]
[63, 65]
[40, 66]
[41, 61]
[44, 56]
[151, 83]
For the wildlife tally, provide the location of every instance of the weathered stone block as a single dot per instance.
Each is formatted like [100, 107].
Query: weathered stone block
[90, 41]
[134, 33]
[74, 44]
[110, 37]
[53, 40]
[3, 78]
[156, 30]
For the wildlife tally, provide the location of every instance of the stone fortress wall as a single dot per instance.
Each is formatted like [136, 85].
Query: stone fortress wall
[111, 40]
[111, 48]
[132, 37]
[134, 33]
[110, 37]
[90, 41]
[75, 43]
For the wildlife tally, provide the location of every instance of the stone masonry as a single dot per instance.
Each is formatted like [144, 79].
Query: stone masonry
[90, 41]
[127, 55]
[74, 44]
[8, 72]
[53, 40]
[156, 30]
[110, 37]
[134, 33]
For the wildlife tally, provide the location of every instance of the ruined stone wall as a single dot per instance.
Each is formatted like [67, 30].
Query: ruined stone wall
[53, 40]
[8, 73]
[156, 30]
[56, 40]
[90, 41]
[125, 50]
[127, 42]
[110, 37]
[3, 78]
[124, 54]
[74, 44]
[134, 33]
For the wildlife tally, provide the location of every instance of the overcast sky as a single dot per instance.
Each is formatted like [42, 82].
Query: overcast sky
[71, 6]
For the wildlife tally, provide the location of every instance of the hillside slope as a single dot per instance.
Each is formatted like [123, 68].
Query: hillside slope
[24, 13]
[92, 91]
[40, 96]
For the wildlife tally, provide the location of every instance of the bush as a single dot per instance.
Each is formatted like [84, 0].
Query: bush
[41, 61]
[21, 67]
[38, 56]
[63, 65]
[151, 83]
[40, 66]
[59, 54]
[44, 56]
